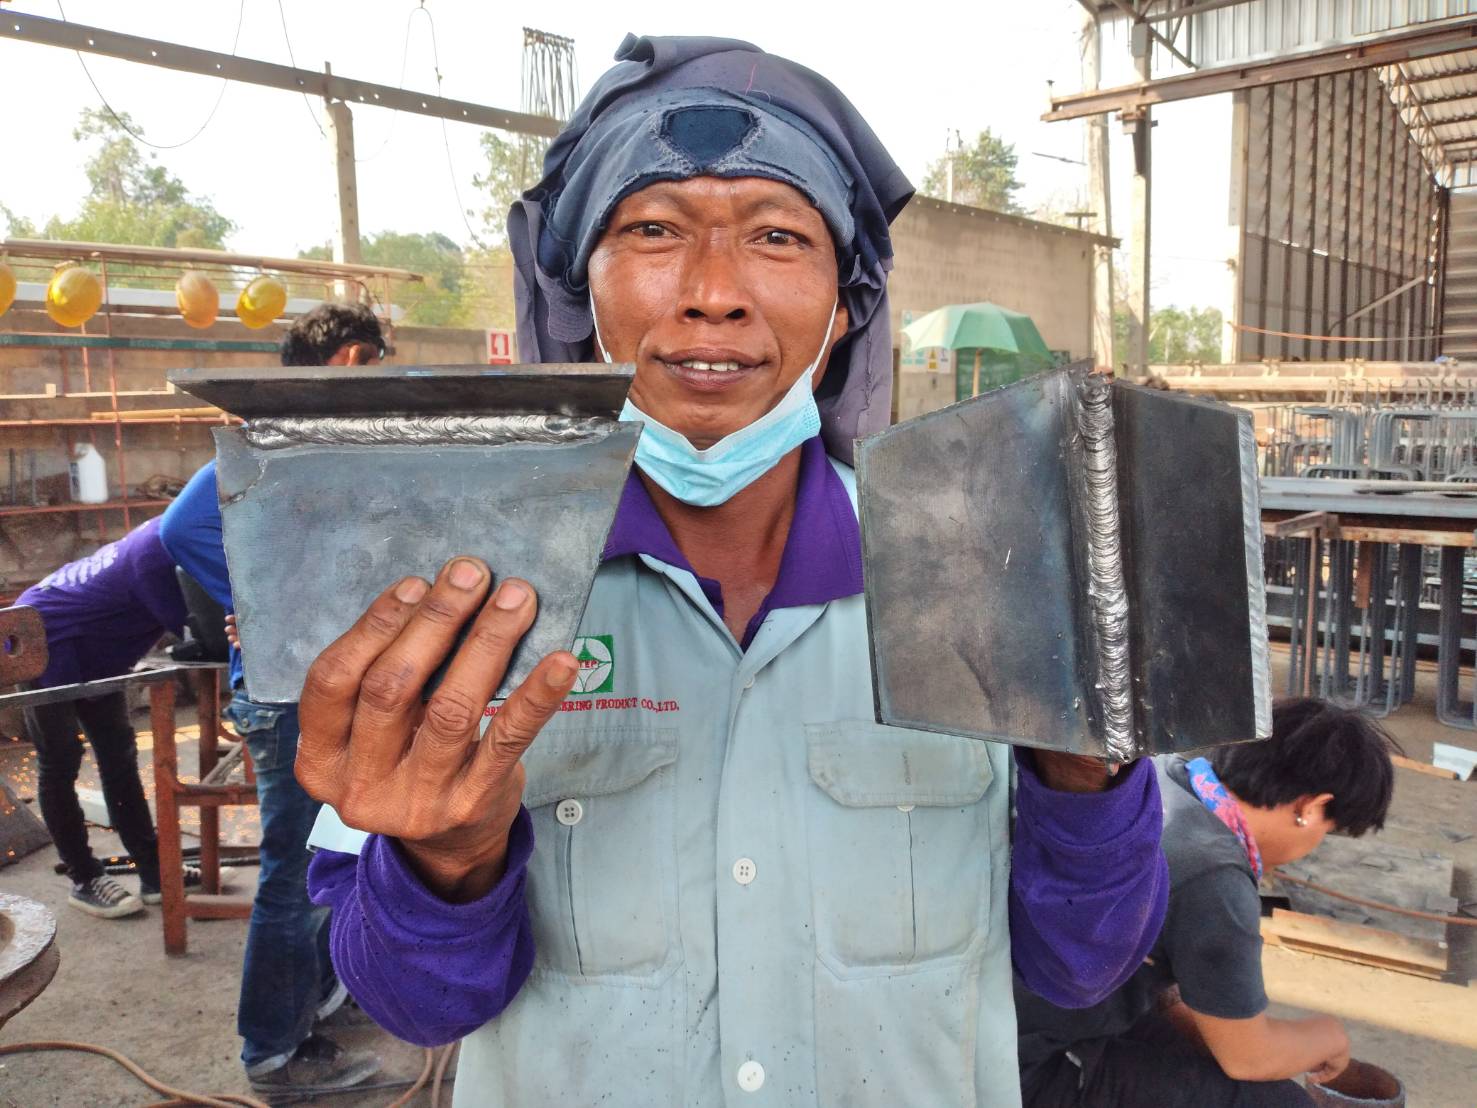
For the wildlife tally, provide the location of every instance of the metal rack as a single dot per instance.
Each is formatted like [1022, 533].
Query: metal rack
[96, 349]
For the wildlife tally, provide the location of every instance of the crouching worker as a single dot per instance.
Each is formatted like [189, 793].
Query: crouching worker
[101, 614]
[1211, 1044]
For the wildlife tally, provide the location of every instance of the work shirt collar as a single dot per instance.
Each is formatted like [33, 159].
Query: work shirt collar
[822, 560]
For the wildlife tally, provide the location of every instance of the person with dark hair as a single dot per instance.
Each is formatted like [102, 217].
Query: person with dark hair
[287, 981]
[334, 334]
[1190, 1028]
[101, 614]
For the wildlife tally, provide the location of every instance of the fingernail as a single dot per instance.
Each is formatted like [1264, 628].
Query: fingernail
[561, 675]
[411, 590]
[465, 574]
[510, 595]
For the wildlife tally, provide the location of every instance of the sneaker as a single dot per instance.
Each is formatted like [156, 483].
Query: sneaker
[151, 894]
[319, 1066]
[105, 898]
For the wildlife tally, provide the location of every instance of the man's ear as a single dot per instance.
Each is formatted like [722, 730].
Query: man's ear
[1314, 808]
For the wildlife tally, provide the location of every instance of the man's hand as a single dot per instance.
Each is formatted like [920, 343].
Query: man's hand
[1331, 1067]
[232, 635]
[390, 766]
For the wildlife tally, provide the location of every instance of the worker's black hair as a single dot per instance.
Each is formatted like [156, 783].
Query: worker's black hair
[1316, 747]
[319, 334]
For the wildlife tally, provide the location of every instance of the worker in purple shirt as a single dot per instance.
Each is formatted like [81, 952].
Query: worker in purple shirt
[683, 866]
[102, 614]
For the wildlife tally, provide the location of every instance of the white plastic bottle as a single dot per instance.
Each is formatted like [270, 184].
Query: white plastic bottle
[89, 475]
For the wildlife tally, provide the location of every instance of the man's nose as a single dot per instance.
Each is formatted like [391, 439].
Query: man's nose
[712, 288]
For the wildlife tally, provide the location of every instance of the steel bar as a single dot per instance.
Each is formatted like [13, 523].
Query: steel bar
[209, 63]
[1448, 37]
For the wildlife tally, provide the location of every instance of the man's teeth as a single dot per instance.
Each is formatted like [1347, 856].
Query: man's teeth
[711, 367]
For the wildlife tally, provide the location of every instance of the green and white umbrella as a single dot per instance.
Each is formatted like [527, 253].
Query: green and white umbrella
[982, 327]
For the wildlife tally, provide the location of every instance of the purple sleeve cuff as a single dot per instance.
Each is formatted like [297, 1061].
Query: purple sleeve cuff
[1089, 885]
[426, 970]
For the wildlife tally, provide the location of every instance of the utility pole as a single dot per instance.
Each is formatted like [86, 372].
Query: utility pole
[1139, 126]
[340, 136]
[1098, 198]
[950, 149]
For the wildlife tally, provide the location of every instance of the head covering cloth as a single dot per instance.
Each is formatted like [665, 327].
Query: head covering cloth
[678, 107]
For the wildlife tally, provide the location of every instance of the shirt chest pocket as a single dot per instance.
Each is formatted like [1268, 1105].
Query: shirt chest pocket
[602, 885]
[900, 835]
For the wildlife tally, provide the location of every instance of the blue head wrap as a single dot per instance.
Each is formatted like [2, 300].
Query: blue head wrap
[680, 107]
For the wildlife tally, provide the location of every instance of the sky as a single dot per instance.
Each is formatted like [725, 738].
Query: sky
[263, 162]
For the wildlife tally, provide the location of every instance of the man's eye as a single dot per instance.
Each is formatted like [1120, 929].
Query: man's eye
[780, 238]
[649, 230]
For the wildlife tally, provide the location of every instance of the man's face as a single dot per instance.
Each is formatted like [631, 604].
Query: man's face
[734, 274]
[356, 353]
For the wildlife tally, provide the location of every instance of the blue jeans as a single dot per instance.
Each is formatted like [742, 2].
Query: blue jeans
[287, 972]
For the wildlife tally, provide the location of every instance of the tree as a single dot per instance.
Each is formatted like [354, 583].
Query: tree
[984, 175]
[132, 200]
[461, 289]
[513, 165]
[1176, 336]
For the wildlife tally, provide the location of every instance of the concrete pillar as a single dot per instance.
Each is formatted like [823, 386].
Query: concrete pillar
[1099, 197]
[1236, 227]
[341, 146]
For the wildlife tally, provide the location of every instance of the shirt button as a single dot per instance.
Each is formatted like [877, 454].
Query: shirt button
[905, 807]
[749, 684]
[569, 812]
[751, 1076]
[744, 872]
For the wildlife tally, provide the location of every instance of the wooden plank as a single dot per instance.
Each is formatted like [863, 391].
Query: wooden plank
[1355, 943]
[1421, 767]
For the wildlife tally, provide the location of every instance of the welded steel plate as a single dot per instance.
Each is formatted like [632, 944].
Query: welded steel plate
[329, 495]
[1012, 596]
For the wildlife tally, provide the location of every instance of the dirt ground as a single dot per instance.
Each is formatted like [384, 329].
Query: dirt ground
[176, 1016]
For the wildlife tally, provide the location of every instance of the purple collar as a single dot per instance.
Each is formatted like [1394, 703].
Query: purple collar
[823, 553]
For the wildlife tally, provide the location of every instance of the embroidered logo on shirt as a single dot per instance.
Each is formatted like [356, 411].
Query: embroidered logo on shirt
[596, 654]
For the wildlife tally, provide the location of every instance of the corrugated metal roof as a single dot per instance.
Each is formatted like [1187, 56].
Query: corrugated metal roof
[1437, 96]
[1263, 28]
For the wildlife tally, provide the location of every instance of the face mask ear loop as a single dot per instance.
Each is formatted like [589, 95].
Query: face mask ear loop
[595, 325]
[826, 338]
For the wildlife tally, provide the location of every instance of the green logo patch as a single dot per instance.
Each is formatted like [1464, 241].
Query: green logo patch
[596, 654]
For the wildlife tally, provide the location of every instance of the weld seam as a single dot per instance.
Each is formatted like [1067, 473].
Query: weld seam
[278, 432]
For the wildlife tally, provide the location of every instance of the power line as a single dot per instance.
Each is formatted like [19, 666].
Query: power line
[404, 56]
[445, 139]
[118, 117]
[306, 102]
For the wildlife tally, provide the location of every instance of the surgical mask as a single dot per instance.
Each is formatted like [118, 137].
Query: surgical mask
[706, 478]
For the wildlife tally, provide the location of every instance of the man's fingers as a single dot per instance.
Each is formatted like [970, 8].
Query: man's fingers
[522, 716]
[390, 692]
[331, 690]
[456, 708]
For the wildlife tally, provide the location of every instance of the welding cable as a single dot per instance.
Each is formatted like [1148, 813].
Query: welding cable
[446, 1056]
[179, 1095]
[1463, 921]
[420, 1082]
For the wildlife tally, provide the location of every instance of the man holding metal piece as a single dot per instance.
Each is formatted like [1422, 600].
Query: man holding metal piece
[1190, 1027]
[684, 866]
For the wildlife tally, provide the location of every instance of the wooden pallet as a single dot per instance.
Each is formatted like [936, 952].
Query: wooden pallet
[1352, 942]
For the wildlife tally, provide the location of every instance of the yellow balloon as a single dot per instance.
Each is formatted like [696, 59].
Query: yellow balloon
[260, 302]
[7, 288]
[73, 296]
[199, 302]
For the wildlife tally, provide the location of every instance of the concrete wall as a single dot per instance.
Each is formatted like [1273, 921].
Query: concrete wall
[32, 545]
[951, 254]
